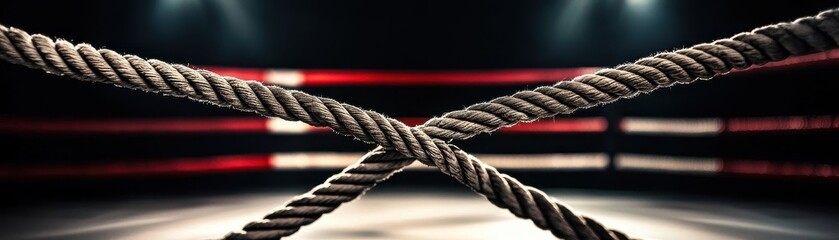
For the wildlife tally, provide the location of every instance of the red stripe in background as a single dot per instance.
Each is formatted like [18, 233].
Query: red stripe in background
[830, 56]
[791, 123]
[558, 125]
[241, 163]
[142, 167]
[596, 124]
[751, 167]
[327, 77]
[256, 124]
[470, 77]
[461, 77]
[247, 124]
[174, 125]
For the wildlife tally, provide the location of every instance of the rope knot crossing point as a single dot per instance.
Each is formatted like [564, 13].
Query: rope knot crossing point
[398, 144]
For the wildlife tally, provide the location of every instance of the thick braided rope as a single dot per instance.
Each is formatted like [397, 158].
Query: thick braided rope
[87, 63]
[304, 209]
[500, 189]
[701, 61]
[84, 62]
[755, 48]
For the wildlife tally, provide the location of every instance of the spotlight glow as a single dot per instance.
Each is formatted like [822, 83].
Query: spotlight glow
[639, 3]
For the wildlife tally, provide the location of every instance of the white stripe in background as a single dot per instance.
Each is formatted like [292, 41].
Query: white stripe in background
[276, 125]
[295, 161]
[288, 78]
[698, 126]
[657, 163]
[575, 161]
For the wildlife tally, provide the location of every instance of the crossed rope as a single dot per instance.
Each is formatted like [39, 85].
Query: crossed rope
[398, 144]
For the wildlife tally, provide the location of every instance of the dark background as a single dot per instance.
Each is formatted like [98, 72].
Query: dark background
[411, 35]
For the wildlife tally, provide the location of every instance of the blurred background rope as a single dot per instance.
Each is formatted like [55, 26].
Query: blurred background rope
[426, 143]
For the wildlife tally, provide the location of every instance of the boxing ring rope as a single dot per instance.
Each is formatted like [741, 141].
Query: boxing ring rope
[295, 78]
[429, 143]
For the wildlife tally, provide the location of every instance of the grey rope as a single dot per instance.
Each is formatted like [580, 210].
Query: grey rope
[376, 166]
[87, 63]
[817, 33]
[703, 61]
[500, 189]
[424, 143]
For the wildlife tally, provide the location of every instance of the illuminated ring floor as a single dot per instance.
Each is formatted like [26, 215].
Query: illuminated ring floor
[423, 214]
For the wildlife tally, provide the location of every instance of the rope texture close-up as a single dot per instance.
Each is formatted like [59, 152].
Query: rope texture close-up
[399, 144]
